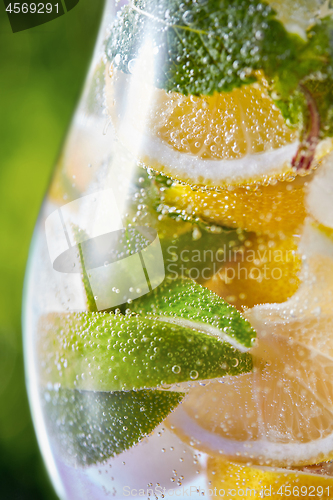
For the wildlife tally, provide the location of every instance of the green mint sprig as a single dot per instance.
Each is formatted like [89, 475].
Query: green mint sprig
[212, 46]
[203, 47]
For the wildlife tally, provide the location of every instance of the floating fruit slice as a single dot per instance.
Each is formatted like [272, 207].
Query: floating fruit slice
[90, 427]
[275, 208]
[185, 303]
[236, 142]
[233, 480]
[175, 342]
[282, 413]
[263, 270]
[234, 137]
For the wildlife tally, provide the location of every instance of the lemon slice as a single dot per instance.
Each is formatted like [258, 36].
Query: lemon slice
[241, 481]
[263, 270]
[231, 151]
[227, 138]
[282, 413]
[274, 208]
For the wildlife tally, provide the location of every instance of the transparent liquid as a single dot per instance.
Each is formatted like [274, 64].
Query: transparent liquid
[138, 179]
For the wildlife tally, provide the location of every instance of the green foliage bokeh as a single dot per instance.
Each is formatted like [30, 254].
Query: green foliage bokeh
[41, 74]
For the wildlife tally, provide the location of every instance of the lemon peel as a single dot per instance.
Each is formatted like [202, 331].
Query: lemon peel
[281, 414]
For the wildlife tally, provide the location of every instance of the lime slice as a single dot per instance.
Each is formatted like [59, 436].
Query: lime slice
[185, 303]
[90, 427]
[103, 352]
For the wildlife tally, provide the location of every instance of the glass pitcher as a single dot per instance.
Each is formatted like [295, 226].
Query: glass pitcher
[178, 318]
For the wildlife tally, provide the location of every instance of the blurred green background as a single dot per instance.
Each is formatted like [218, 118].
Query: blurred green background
[42, 71]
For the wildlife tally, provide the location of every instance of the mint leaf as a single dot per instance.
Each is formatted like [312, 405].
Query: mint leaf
[322, 92]
[313, 69]
[203, 47]
[161, 345]
[185, 303]
[217, 45]
[90, 427]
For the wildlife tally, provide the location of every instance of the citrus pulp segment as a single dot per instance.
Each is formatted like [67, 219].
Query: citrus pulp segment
[275, 208]
[228, 138]
[282, 413]
[259, 482]
[265, 269]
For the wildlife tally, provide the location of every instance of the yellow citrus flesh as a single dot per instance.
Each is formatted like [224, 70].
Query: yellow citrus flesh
[229, 125]
[282, 413]
[275, 208]
[233, 480]
[229, 138]
[264, 270]
[236, 144]
[279, 415]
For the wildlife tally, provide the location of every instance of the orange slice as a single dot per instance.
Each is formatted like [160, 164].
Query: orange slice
[282, 413]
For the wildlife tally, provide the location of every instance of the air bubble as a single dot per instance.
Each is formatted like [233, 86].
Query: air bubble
[131, 65]
[188, 17]
[259, 35]
[176, 369]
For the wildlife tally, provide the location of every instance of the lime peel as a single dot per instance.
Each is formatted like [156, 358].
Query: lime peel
[112, 352]
[94, 426]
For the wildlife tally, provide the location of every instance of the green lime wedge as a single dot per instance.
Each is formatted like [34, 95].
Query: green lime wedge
[107, 352]
[187, 303]
[89, 427]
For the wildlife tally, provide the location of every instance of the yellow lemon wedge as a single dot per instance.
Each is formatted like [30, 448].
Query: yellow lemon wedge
[273, 208]
[264, 269]
[281, 414]
[233, 480]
